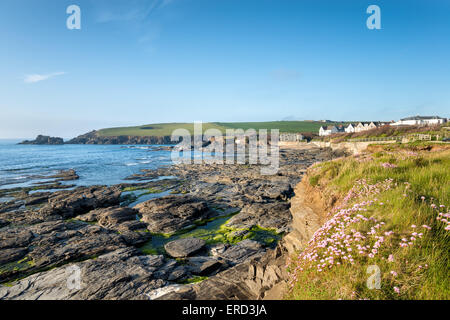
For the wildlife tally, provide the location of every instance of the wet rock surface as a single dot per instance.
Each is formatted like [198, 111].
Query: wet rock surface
[184, 247]
[81, 200]
[45, 237]
[172, 213]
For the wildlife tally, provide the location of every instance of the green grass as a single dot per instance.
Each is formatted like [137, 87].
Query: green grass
[158, 129]
[195, 279]
[422, 268]
[166, 129]
[283, 126]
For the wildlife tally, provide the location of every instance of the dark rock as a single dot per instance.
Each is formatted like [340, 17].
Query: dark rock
[172, 213]
[267, 215]
[177, 274]
[74, 244]
[203, 265]
[133, 238]
[37, 198]
[119, 275]
[12, 254]
[218, 249]
[132, 226]
[10, 206]
[40, 139]
[80, 201]
[3, 223]
[165, 270]
[184, 247]
[115, 215]
[242, 251]
[51, 227]
[54, 243]
[64, 175]
[15, 238]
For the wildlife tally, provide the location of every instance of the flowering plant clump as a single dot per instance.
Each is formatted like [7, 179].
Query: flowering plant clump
[362, 189]
[390, 219]
[403, 155]
[388, 165]
[351, 234]
[338, 242]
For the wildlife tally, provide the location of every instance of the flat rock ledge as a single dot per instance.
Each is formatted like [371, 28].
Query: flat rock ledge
[184, 247]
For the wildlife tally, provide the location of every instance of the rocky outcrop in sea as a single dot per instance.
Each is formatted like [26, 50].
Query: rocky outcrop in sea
[42, 140]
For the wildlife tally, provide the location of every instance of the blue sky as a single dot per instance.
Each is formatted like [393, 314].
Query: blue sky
[136, 62]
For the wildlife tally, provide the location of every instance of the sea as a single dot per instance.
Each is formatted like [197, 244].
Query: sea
[24, 165]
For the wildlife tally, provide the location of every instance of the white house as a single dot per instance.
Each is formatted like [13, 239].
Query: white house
[350, 128]
[420, 121]
[364, 126]
[327, 130]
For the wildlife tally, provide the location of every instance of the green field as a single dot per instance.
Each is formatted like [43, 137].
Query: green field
[166, 129]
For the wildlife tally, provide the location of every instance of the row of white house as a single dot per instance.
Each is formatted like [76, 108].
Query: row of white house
[352, 127]
[364, 126]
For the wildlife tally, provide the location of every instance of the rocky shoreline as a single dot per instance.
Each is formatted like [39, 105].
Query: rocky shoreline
[155, 239]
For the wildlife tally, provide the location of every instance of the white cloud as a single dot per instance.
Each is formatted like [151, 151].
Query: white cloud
[33, 78]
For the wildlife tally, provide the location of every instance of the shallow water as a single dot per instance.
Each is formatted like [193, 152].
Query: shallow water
[95, 164]
[142, 196]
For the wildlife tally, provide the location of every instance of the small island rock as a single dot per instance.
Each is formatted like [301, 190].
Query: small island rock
[41, 140]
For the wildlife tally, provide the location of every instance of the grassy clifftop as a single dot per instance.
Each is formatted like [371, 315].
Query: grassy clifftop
[166, 129]
[390, 221]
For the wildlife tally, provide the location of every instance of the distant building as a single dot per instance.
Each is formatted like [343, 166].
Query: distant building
[291, 137]
[420, 121]
[327, 130]
[350, 128]
[364, 126]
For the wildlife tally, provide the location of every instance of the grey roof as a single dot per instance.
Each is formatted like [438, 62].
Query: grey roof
[422, 118]
[328, 127]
